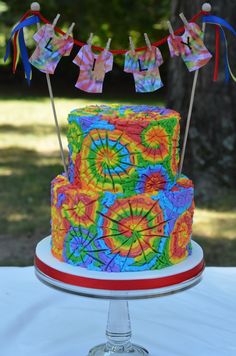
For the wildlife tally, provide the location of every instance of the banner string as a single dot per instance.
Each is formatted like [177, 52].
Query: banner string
[117, 51]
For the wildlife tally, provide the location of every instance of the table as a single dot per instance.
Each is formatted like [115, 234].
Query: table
[40, 321]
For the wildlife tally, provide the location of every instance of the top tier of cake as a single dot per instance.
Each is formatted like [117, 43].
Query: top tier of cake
[126, 149]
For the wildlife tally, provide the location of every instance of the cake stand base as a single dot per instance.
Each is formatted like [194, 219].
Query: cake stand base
[117, 287]
[105, 350]
[118, 334]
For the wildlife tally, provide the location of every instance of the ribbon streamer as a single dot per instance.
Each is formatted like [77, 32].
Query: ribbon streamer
[221, 23]
[19, 46]
[217, 52]
[228, 71]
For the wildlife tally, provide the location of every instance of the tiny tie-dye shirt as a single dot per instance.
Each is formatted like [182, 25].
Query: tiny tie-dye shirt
[50, 49]
[190, 47]
[145, 69]
[93, 68]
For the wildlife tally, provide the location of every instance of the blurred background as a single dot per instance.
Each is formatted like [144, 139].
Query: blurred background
[30, 157]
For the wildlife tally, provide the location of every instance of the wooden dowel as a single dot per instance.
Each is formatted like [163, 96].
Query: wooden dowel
[56, 123]
[36, 7]
[205, 7]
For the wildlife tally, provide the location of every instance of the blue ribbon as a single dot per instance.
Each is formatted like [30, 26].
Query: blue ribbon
[215, 20]
[227, 72]
[23, 50]
[218, 21]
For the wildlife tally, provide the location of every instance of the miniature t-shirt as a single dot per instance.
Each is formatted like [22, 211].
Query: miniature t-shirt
[50, 49]
[145, 69]
[93, 68]
[190, 47]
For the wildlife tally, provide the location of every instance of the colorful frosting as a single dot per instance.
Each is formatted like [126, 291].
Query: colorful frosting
[126, 149]
[111, 232]
[122, 208]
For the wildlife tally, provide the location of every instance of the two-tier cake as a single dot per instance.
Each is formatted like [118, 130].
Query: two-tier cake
[123, 208]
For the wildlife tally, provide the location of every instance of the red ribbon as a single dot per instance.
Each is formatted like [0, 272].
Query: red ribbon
[217, 52]
[118, 51]
[138, 284]
[15, 50]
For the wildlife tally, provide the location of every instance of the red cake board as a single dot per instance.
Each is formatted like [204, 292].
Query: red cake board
[73, 276]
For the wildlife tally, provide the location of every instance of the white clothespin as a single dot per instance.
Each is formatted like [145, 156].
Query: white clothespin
[183, 18]
[108, 45]
[170, 29]
[131, 43]
[70, 29]
[148, 43]
[89, 42]
[55, 20]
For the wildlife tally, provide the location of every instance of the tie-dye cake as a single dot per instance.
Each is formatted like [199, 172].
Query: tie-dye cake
[123, 208]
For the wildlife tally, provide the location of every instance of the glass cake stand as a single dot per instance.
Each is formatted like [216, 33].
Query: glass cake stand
[119, 288]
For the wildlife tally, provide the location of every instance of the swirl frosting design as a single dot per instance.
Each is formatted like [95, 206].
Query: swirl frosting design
[122, 208]
[108, 161]
[110, 145]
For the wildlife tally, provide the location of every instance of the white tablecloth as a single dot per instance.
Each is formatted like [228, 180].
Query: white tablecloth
[36, 320]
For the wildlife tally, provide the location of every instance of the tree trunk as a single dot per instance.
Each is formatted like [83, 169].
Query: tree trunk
[210, 152]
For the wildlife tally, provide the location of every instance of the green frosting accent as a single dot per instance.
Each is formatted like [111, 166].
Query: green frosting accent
[163, 261]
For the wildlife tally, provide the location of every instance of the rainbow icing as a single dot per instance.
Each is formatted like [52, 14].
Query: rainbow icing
[122, 208]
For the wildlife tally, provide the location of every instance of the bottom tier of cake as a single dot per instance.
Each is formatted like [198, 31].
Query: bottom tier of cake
[117, 233]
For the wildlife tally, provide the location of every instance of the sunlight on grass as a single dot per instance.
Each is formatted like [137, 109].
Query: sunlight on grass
[30, 124]
[16, 217]
[208, 223]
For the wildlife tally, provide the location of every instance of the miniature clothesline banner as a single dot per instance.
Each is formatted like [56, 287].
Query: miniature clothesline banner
[144, 67]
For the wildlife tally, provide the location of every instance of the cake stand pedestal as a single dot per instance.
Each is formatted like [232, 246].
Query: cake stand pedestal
[118, 288]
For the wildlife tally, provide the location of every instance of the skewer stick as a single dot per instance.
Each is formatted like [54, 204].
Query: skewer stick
[205, 7]
[36, 7]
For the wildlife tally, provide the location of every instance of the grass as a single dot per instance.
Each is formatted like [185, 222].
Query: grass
[30, 159]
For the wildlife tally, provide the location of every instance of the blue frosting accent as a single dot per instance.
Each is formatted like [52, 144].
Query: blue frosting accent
[60, 199]
[88, 123]
[103, 124]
